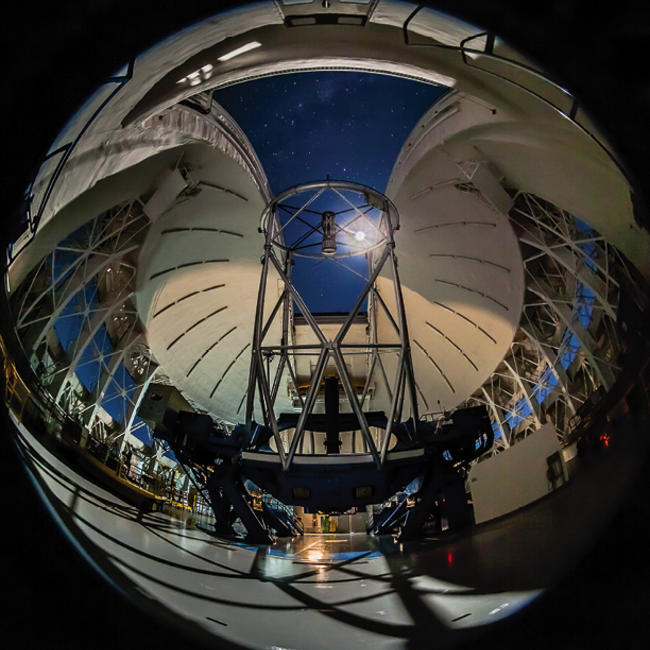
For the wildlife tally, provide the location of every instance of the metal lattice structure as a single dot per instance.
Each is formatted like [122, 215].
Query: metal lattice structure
[373, 215]
[77, 322]
[567, 343]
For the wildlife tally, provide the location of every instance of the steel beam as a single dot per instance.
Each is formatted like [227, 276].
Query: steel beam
[495, 415]
[134, 404]
[100, 317]
[587, 343]
[552, 363]
[526, 393]
[76, 284]
[111, 368]
[568, 259]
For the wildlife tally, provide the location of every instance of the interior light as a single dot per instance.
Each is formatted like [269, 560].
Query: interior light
[240, 50]
[207, 67]
[195, 82]
[363, 492]
[193, 75]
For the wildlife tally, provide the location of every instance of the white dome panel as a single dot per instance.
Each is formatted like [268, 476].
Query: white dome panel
[462, 278]
[198, 280]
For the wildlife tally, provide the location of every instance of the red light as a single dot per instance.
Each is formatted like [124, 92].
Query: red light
[450, 558]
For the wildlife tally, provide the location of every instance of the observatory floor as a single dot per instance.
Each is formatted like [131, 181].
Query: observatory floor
[347, 590]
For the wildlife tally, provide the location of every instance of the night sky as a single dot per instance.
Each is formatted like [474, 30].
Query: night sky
[348, 125]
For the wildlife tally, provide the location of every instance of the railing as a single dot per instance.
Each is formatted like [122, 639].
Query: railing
[32, 404]
[203, 514]
[16, 392]
[228, 126]
[65, 151]
[488, 52]
[161, 485]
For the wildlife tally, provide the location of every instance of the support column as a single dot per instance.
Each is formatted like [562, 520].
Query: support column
[134, 405]
[76, 284]
[111, 369]
[526, 393]
[495, 416]
[332, 442]
[604, 374]
[100, 317]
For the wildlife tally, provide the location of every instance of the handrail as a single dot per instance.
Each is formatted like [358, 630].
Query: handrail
[489, 53]
[18, 394]
[66, 149]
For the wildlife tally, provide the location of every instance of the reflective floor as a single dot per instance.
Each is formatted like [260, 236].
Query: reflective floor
[324, 591]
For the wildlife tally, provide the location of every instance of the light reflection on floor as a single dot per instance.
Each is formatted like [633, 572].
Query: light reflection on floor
[345, 589]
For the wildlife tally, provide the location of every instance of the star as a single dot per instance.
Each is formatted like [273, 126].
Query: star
[303, 125]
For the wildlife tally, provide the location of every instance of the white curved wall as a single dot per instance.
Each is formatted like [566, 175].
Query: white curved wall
[462, 274]
[197, 285]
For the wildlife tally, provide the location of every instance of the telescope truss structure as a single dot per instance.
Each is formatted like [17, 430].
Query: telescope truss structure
[292, 231]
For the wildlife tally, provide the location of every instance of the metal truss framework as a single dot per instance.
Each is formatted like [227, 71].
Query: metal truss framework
[77, 323]
[372, 213]
[566, 346]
